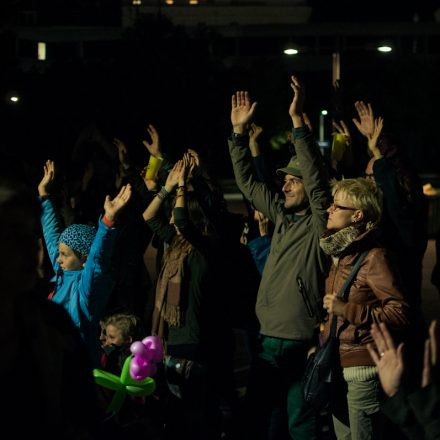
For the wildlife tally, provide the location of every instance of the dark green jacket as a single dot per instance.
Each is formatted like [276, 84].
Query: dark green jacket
[284, 309]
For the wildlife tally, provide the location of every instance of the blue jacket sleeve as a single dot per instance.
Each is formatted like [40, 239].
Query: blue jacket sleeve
[52, 228]
[97, 280]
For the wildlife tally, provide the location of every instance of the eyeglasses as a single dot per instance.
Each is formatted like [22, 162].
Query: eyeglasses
[335, 207]
[369, 176]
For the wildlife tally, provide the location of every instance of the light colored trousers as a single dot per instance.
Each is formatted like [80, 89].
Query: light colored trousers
[365, 422]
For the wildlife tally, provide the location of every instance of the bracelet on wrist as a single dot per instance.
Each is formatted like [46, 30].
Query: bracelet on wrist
[164, 193]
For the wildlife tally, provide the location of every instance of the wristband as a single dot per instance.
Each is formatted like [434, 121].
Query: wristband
[107, 222]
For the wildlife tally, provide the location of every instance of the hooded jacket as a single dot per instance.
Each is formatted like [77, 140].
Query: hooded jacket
[290, 294]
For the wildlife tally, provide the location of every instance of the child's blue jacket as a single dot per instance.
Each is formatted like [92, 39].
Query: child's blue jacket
[83, 293]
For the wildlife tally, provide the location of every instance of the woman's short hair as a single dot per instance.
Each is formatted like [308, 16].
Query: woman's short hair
[364, 195]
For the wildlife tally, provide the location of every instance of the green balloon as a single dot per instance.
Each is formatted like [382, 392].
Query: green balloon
[123, 385]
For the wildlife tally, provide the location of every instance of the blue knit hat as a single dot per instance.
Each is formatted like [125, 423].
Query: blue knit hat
[79, 238]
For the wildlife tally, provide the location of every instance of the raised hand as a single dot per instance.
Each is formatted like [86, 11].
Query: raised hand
[263, 223]
[153, 147]
[48, 178]
[297, 104]
[431, 355]
[342, 128]
[122, 153]
[254, 133]
[388, 359]
[365, 124]
[242, 111]
[195, 163]
[113, 207]
[173, 176]
[187, 167]
[373, 138]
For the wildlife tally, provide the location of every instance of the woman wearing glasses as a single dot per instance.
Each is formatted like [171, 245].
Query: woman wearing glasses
[374, 296]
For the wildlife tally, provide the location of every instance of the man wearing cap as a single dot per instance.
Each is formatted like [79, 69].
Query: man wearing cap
[80, 257]
[289, 300]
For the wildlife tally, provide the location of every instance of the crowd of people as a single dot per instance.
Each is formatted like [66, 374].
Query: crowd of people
[77, 292]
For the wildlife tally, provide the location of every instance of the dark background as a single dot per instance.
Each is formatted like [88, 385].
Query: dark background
[181, 80]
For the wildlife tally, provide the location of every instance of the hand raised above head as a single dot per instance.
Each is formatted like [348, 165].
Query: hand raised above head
[242, 111]
[48, 178]
[374, 137]
[174, 175]
[365, 124]
[153, 147]
[297, 104]
[113, 207]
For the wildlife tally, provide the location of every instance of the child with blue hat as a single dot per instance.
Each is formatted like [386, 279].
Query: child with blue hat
[81, 258]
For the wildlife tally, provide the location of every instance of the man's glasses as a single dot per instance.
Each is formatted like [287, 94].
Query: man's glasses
[335, 207]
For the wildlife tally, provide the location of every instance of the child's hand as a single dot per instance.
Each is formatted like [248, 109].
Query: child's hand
[48, 178]
[113, 207]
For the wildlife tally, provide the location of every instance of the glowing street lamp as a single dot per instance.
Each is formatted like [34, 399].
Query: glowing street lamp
[290, 51]
[385, 48]
[322, 115]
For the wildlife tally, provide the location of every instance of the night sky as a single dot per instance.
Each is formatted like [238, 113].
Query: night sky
[182, 80]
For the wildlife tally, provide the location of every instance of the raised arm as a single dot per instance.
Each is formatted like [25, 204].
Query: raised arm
[50, 219]
[112, 207]
[314, 174]
[153, 147]
[170, 184]
[242, 111]
[297, 104]
[95, 278]
[256, 192]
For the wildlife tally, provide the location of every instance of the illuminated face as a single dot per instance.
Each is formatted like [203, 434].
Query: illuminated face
[341, 213]
[68, 260]
[294, 192]
[114, 336]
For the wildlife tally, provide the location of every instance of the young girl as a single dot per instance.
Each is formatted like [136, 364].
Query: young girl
[80, 257]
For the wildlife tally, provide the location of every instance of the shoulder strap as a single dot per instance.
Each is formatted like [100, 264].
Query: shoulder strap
[348, 281]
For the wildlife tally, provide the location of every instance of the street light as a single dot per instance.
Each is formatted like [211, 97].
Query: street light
[322, 115]
[290, 48]
[290, 51]
[385, 47]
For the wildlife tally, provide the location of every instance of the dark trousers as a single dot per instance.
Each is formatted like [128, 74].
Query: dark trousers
[275, 409]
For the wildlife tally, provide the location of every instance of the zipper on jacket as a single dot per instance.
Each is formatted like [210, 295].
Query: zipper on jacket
[303, 292]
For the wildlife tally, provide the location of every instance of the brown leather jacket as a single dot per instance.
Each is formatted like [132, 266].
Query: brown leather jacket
[374, 296]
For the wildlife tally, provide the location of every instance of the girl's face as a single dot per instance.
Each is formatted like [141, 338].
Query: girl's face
[68, 260]
[114, 336]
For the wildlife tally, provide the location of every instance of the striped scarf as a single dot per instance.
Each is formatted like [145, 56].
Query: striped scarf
[169, 287]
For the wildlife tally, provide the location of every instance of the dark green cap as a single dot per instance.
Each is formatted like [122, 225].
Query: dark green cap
[293, 168]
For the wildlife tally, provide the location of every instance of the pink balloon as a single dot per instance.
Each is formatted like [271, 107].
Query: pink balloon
[154, 345]
[138, 349]
[141, 371]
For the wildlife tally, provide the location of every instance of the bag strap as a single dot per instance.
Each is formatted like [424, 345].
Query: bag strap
[348, 281]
